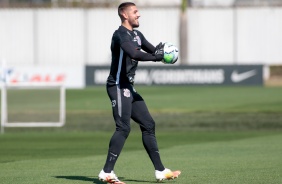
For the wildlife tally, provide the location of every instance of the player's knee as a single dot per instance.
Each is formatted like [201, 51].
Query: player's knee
[125, 130]
[150, 131]
[123, 127]
[149, 128]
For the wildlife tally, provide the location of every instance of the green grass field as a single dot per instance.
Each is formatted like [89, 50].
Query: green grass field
[212, 134]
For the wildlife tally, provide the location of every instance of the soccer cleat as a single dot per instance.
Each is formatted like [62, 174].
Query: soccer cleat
[109, 177]
[166, 174]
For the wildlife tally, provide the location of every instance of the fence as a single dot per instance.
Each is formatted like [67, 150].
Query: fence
[82, 36]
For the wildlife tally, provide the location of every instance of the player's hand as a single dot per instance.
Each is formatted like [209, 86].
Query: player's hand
[158, 46]
[159, 51]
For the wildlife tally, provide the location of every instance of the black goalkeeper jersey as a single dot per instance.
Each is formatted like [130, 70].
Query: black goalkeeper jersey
[126, 52]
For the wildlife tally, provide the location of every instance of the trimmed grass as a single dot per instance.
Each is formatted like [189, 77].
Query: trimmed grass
[203, 157]
[175, 107]
[46, 145]
[185, 99]
[212, 134]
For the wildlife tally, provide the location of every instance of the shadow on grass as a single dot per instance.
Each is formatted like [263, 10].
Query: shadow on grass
[96, 180]
[138, 181]
[80, 178]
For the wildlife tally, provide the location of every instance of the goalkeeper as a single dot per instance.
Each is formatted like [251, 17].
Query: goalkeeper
[127, 104]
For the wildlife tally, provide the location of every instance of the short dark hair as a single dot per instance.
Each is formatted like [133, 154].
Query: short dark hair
[123, 6]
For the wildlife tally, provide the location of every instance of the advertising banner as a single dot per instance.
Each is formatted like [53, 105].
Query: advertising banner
[70, 76]
[185, 75]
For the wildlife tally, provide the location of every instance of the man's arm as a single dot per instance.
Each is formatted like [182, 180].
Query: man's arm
[133, 53]
[147, 46]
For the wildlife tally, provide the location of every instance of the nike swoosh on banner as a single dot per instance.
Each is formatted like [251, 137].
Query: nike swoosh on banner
[238, 77]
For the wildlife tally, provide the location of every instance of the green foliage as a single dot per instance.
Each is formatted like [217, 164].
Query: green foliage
[184, 5]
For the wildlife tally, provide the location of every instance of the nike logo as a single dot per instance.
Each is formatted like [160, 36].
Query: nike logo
[238, 77]
[115, 155]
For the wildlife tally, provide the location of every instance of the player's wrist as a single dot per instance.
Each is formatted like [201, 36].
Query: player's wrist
[158, 58]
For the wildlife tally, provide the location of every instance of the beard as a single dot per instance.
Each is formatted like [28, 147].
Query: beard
[134, 23]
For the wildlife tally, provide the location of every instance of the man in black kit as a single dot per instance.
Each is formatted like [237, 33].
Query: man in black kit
[126, 102]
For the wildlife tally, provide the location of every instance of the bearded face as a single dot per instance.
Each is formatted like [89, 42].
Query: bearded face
[133, 16]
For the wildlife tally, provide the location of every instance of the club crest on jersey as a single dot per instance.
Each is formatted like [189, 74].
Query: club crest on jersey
[138, 40]
[126, 93]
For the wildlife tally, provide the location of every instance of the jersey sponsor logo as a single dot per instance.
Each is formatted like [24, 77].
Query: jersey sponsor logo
[238, 77]
[126, 93]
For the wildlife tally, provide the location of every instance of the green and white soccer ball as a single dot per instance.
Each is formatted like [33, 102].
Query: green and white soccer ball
[170, 53]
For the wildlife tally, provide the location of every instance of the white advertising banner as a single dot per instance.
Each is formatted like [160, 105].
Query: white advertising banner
[69, 76]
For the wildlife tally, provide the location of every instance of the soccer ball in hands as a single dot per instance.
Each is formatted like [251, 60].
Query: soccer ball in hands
[170, 53]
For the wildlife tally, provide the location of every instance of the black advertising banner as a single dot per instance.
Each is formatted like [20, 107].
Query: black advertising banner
[185, 75]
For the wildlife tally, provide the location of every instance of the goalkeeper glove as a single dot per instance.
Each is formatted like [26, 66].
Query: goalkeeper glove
[158, 46]
[159, 51]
